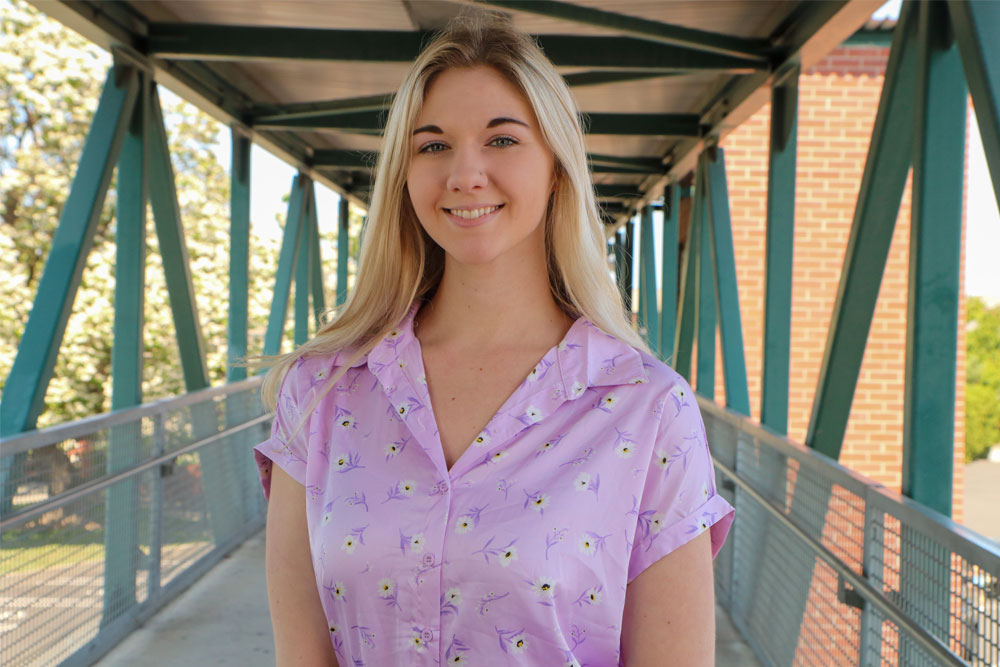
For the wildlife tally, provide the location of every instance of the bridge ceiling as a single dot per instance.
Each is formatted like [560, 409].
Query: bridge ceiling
[311, 79]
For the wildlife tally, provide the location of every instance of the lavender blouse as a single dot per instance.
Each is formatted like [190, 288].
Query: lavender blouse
[595, 467]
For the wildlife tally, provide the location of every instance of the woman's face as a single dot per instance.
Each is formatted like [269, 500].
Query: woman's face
[480, 174]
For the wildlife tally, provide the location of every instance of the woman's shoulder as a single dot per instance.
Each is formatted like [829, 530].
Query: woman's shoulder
[311, 371]
[661, 378]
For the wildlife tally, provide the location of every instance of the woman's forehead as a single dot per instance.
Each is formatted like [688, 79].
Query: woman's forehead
[473, 95]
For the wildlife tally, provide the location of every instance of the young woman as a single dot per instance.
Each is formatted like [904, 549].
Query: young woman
[477, 461]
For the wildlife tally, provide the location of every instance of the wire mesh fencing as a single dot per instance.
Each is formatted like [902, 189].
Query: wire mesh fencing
[108, 518]
[826, 567]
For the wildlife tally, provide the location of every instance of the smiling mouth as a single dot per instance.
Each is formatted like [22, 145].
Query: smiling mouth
[473, 213]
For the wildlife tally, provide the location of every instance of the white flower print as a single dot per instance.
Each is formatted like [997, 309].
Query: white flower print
[657, 522]
[482, 440]
[320, 375]
[704, 490]
[624, 450]
[532, 415]
[544, 447]
[392, 335]
[582, 482]
[347, 421]
[454, 596]
[609, 401]
[417, 642]
[508, 556]
[637, 380]
[391, 450]
[403, 410]
[498, 456]
[662, 458]
[417, 543]
[518, 643]
[407, 487]
[386, 587]
[533, 375]
[544, 587]
[338, 591]
[463, 525]
[587, 545]
[350, 542]
[326, 517]
[577, 389]
[540, 501]
[402, 364]
[422, 379]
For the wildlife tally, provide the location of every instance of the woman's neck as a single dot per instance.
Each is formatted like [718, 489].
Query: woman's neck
[491, 307]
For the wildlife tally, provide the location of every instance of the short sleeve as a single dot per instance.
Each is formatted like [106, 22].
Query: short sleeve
[288, 445]
[679, 499]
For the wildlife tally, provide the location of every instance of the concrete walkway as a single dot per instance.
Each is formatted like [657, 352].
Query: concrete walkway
[223, 620]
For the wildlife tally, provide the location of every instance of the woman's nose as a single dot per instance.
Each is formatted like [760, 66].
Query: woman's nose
[468, 171]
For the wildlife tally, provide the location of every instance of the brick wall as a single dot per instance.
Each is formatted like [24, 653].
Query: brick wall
[838, 99]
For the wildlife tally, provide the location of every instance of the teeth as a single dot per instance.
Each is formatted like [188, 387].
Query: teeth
[472, 214]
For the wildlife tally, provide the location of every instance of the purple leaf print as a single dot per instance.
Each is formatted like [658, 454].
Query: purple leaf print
[508, 639]
[488, 551]
[609, 364]
[536, 500]
[623, 437]
[344, 418]
[367, 636]
[348, 463]
[454, 648]
[336, 592]
[587, 453]
[600, 541]
[359, 533]
[504, 486]
[358, 499]
[474, 513]
[549, 445]
[359, 662]
[578, 635]
[590, 596]
[401, 491]
[595, 485]
[554, 538]
[448, 607]
[680, 455]
[395, 448]
[421, 571]
[483, 607]
[538, 372]
[314, 491]
[680, 399]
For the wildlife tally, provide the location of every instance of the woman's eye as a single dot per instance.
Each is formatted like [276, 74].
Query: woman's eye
[503, 142]
[433, 147]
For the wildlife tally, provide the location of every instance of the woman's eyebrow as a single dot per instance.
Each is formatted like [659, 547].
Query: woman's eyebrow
[502, 120]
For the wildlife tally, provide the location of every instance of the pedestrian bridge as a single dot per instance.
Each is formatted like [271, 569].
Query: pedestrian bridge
[822, 566]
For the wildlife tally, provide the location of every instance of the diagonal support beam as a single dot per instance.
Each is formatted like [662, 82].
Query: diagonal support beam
[286, 266]
[239, 255]
[303, 269]
[668, 279]
[975, 28]
[316, 264]
[651, 305]
[684, 341]
[726, 292]
[343, 247]
[888, 162]
[706, 323]
[634, 26]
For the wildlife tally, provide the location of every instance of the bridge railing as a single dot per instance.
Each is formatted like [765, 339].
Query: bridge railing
[825, 566]
[115, 515]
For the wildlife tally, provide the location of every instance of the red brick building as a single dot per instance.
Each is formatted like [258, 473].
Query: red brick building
[838, 99]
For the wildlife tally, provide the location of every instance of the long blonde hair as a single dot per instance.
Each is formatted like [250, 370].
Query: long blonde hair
[399, 262]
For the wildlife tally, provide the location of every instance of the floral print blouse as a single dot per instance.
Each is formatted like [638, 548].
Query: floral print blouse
[595, 467]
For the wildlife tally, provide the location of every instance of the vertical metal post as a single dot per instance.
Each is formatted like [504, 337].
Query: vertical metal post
[723, 258]
[706, 325]
[156, 507]
[24, 392]
[121, 510]
[303, 256]
[239, 253]
[684, 342]
[780, 244]
[620, 259]
[629, 278]
[668, 278]
[651, 315]
[343, 246]
[316, 262]
[286, 265]
[889, 156]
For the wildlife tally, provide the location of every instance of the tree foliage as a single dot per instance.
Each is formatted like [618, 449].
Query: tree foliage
[982, 389]
[50, 81]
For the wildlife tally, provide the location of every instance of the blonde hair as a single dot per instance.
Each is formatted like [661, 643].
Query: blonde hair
[399, 262]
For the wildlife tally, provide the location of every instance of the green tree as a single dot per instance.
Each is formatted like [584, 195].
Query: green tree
[982, 388]
[50, 81]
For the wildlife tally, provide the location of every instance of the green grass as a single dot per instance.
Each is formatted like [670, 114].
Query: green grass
[33, 558]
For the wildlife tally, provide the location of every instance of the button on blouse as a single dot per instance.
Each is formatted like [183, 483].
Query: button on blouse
[595, 467]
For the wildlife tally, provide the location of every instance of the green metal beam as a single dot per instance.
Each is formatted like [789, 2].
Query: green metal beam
[869, 38]
[643, 165]
[316, 263]
[629, 265]
[734, 365]
[266, 113]
[651, 313]
[706, 323]
[668, 279]
[779, 253]
[303, 271]
[180, 41]
[634, 26]
[889, 155]
[173, 249]
[286, 267]
[642, 312]
[239, 255]
[343, 246]
[619, 251]
[975, 25]
[24, 391]
[935, 252]
[616, 191]
[602, 77]
[684, 341]
[344, 158]
[121, 532]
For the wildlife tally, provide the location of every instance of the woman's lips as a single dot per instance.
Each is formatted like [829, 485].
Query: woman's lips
[485, 215]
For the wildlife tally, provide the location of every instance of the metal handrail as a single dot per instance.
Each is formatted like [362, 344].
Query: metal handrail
[107, 480]
[23, 442]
